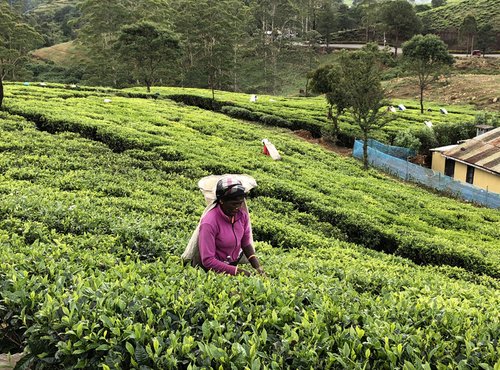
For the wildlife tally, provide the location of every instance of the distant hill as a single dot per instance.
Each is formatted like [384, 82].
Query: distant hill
[452, 14]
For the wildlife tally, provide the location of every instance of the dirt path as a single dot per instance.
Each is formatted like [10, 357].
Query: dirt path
[341, 150]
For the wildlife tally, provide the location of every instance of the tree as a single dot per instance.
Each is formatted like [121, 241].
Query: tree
[99, 26]
[147, 48]
[327, 21]
[16, 40]
[468, 29]
[312, 41]
[438, 3]
[400, 21]
[368, 12]
[361, 81]
[272, 19]
[213, 36]
[328, 80]
[486, 38]
[426, 56]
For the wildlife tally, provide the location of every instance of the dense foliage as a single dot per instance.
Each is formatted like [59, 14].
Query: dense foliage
[98, 200]
[236, 45]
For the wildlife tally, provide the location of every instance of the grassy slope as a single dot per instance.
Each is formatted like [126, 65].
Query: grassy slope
[63, 54]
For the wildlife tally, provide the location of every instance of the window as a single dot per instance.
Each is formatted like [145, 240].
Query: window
[470, 175]
[449, 167]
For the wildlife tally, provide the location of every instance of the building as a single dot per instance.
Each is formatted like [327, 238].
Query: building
[476, 161]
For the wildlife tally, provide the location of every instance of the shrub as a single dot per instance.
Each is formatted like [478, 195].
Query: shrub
[406, 139]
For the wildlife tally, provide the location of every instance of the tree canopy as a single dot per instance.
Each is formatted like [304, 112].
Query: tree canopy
[426, 57]
[468, 29]
[400, 21]
[17, 38]
[329, 80]
[354, 84]
[148, 48]
[366, 97]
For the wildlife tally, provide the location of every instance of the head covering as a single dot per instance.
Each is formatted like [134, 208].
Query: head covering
[229, 187]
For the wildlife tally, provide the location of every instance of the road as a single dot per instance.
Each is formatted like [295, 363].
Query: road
[359, 46]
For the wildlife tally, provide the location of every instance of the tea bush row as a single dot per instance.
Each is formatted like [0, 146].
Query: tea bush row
[87, 299]
[426, 228]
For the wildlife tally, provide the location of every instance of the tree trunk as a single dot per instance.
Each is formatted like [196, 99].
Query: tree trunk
[1, 92]
[365, 150]
[396, 44]
[335, 128]
[421, 99]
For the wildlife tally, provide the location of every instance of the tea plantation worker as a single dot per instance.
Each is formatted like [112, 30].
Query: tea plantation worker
[225, 231]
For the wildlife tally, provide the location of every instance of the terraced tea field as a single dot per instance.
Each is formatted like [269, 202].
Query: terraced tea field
[99, 199]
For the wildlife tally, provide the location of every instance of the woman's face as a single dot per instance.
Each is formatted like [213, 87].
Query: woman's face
[230, 207]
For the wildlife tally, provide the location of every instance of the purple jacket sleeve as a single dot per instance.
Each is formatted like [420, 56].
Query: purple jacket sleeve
[206, 243]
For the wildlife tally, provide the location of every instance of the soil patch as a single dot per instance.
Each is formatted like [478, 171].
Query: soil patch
[483, 91]
[307, 136]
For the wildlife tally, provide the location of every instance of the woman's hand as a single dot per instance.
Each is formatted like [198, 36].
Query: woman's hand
[243, 272]
[260, 270]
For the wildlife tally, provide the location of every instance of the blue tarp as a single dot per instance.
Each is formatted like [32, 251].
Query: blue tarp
[378, 158]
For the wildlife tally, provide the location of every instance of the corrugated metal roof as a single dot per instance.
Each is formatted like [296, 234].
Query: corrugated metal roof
[483, 151]
[443, 148]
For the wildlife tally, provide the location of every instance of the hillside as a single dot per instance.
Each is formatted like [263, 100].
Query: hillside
[483, 91]
[98, 200]
[64, 54]
[452, 14]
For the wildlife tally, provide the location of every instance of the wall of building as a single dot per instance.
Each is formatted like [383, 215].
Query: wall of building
[486, 180]
[460, 171]
[438, 162]
[482, 179]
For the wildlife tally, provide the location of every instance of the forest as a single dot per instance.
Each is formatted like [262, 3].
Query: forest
[236, 45]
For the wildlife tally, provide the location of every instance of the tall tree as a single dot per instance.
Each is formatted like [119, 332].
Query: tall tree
[426, 57]
[212, 34]
[312, 41]
[99, 25]
[327, 20]
[329, 80]
[273, 19]
[486, 38]
[468, 29]
[362, 76]
[400, 21]
[16, 40]
[149, 49]
[368, 13]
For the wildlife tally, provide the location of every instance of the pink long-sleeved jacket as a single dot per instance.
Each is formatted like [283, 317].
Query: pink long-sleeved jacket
[221, 239]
